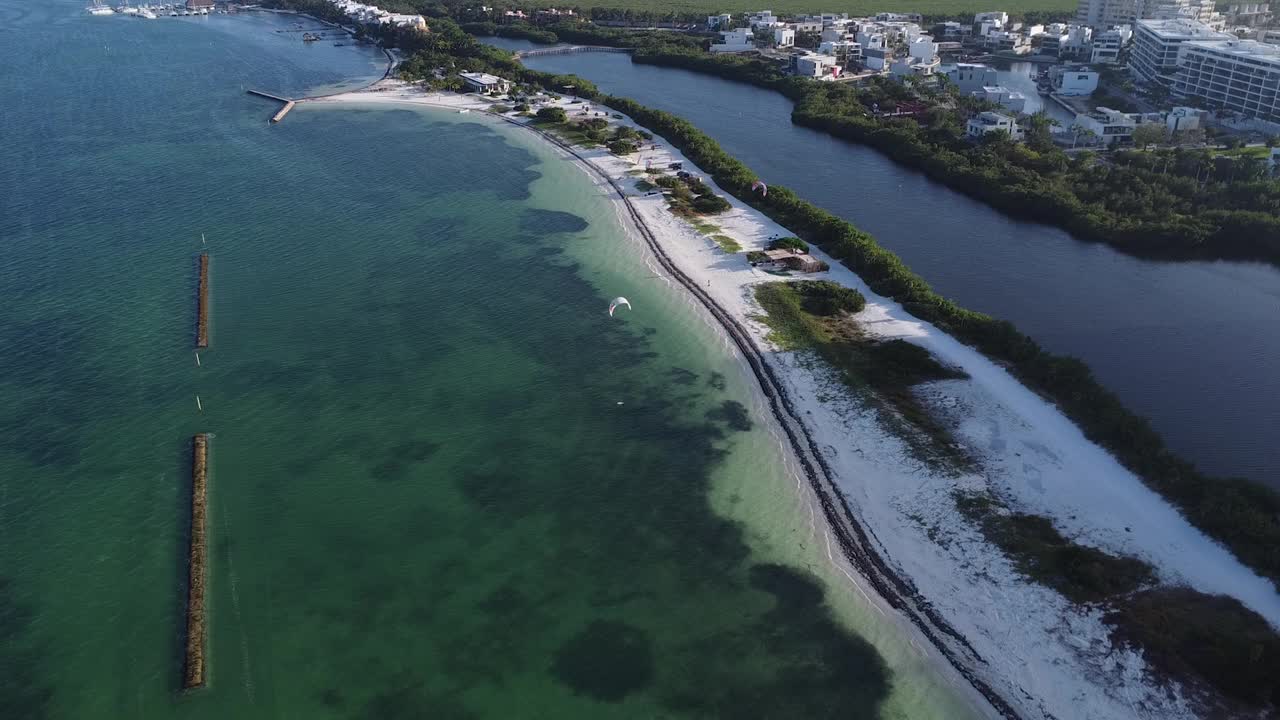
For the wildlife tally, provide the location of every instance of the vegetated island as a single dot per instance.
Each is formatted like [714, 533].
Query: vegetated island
[1174, 203]
[1132, 582]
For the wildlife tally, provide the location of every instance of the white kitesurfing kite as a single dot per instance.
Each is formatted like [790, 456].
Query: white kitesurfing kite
[616, 303]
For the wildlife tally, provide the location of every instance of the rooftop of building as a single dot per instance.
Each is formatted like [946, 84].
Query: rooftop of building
[990, 117]
[1243, 49]
[1183, 28]
[482, 78]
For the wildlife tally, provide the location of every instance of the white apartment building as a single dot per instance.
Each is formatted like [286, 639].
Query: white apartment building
[1109, 126]
[987, 122]
[1010, 100]
[817, 66]
[1154, 57]
[970, 77]
[1000, 19]
[1107, 44]
[1239, 75]
[876, 58]
[845, 52]
[1008, 42]
[733, 41]
[784, 37]
[1106, 13]
[1073, 80]
[923, 49]
[899, 17]
[715, 22]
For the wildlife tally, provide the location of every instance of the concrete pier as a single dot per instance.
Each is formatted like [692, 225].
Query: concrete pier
[193, 675]
[288, 104]
[268, 96]
[283, 111]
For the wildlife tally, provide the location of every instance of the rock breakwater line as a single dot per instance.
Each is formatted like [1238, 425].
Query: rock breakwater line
[202, 304]
[193, 674]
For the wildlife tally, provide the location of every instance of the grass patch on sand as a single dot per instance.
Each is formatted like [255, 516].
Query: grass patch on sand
[727, 243]
[1082, 574]
[816, 315]
[570, 132]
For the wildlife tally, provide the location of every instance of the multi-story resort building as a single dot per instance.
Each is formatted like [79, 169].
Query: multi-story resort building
[1105, 13]
[1154, 57]
[1239, 75]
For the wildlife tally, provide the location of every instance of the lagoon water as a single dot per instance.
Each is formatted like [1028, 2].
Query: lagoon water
[444, 482]
[1192, 346]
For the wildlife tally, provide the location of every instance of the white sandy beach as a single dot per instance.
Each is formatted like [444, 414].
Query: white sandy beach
[1044, 656]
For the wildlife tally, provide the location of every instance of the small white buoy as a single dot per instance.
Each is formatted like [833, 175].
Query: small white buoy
[619, 402]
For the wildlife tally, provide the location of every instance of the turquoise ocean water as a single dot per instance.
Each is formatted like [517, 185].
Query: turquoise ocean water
[445, 484]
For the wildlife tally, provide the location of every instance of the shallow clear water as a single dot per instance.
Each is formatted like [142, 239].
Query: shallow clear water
[1189, 345]
[444, 483]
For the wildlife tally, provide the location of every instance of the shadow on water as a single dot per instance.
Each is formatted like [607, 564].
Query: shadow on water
[607, 661]
[23, 693]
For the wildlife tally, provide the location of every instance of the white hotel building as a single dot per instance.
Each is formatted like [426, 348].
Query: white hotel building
[1154, 57]
[1239, 75]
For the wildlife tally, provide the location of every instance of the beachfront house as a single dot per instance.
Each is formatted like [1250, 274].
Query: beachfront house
[485, 84]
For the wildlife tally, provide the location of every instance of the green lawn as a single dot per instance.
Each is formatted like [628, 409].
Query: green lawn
[1259, 151]
[853, 7]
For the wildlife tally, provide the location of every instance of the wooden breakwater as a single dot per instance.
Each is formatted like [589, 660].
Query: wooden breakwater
[202, 304]
[193, 674]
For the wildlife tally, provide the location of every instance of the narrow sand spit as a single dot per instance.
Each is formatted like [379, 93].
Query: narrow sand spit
[891, 521]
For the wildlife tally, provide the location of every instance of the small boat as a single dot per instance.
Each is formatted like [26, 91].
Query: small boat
[97, 8]
[463, 111]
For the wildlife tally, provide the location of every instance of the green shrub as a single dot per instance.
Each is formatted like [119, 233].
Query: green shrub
[710, 204]
[553, 114]
[621, 147]
[1213, 638]
[823, 297]
[789, 243]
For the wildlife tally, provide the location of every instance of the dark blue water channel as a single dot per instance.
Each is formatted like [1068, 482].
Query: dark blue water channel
[1190, 345]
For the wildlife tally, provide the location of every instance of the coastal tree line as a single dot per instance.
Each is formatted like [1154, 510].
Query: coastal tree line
[1175, 203]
